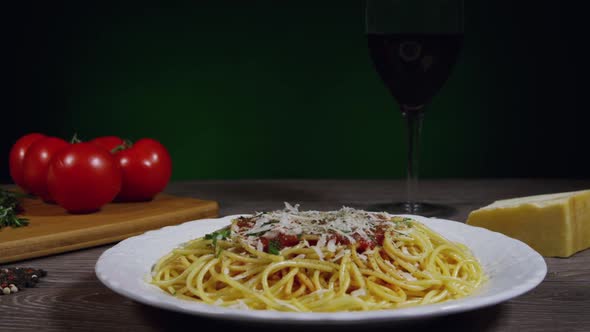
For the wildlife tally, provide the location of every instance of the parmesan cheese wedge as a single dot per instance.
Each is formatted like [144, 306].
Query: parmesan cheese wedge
[554, 224]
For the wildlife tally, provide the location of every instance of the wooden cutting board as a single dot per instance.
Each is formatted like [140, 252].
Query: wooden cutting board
[52, 230]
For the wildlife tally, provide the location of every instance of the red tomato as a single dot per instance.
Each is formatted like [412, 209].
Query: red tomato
[380, 234]
[288, 240]
[17, 155]
[83, 177]
[362, 244]
[108, 142]
[147, 168]
[36, 164]
[264, 242]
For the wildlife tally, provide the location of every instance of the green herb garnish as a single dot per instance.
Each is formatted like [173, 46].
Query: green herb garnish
[222, 234]
[402, 220]
[274, 247]
[9, 207]
[257, 233]
[219, 234]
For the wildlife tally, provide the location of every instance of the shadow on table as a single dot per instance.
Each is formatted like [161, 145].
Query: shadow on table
[478, 320]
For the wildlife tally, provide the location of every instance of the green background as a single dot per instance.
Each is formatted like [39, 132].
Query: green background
[285, 89]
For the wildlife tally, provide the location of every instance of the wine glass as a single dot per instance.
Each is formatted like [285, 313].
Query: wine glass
[414, 45]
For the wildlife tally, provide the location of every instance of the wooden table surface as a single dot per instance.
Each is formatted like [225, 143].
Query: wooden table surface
[71, 297]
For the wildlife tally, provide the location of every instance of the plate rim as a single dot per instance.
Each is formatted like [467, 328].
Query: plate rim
[343, 317]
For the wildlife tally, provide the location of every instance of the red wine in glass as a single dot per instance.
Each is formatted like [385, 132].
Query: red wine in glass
[414, 67]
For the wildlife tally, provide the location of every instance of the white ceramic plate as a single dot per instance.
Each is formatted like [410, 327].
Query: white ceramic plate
[512, 267]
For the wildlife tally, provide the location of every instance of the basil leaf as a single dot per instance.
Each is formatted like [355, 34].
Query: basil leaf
[274, 247]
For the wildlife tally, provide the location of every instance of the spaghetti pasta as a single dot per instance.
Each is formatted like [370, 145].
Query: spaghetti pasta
[345, 260]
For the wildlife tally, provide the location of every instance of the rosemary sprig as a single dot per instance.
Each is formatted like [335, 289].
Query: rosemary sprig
[9, 208]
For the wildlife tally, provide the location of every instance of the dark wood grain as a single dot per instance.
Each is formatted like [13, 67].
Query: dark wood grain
[71, 298]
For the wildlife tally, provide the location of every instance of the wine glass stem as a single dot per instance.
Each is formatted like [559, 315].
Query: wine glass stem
[414, 127]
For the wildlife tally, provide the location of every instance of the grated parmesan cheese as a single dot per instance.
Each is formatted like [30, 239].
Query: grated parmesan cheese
[407, 276]
[347, 225]
[362, 257]
[319, 252]
[339, 255]
[331, 245]
[259, 246]
[359, 292]
[322, 241]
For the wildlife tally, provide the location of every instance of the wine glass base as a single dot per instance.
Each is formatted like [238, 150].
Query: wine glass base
[417, 208]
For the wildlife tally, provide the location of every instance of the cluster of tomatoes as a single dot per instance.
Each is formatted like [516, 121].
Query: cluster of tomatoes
[83, 176]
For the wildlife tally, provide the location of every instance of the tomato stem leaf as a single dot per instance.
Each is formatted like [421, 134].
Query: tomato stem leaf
[127, 143]
[75, 139]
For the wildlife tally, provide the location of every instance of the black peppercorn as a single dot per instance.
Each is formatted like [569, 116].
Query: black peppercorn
[13, 279]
